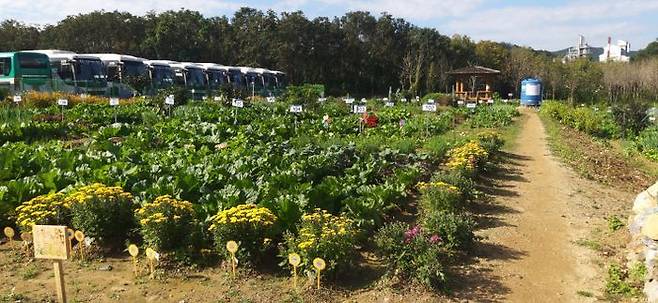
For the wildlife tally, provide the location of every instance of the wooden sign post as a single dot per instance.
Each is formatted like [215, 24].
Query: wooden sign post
[319, 265]
[70, 235]
[50, 243]
[232, 248]
[152, 256]
[27, 239]
[294, 260]
[9, 233]
[133, 250]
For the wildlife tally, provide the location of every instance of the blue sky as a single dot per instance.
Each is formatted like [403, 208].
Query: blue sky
[541, 24]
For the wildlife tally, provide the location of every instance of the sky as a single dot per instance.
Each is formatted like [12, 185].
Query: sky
[540, 24]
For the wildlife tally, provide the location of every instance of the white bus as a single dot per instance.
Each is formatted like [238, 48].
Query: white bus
[119, 70]
[76, 73]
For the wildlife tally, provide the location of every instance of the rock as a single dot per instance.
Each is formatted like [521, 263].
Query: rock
[644, 201]
[651, 290]
[653, 190]
[105, 267]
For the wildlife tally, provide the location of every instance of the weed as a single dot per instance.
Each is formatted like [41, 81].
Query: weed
[585, 294]
[614, 223]
[625, 283]
[589, 243]
[29, 271]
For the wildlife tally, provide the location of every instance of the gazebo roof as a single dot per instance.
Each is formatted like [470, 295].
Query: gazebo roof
[474, 70]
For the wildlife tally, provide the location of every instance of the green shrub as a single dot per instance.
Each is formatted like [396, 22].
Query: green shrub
[326, 236]
[50, 209]
[439, 196]
[455, 229]
[490, 140]
[166, 223]
[647, 142]
[102, 212]
[412, 253]
[591, 121]
[498, 115]
[252, 227]
[459, 179]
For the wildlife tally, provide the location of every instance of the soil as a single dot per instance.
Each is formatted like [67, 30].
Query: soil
[531, 250]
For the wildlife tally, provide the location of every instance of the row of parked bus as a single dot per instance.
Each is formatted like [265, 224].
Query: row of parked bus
[113, 74]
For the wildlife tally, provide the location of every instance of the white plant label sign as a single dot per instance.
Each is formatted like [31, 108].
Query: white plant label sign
[296, 108]
[460, 102]
[430, 101]
[349, 100]
[217, 98]
[403, 100]
[169, 100]
[18, 98]
[389, 104]
[271, 99]
[490, 101]
[62, 102]
[471, 105]
[322, 99]
[360, 109]
[429, 107]
[114, 101]
[237, 103]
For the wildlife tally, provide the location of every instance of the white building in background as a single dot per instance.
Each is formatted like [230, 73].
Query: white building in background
[581, 50]
[616, 53]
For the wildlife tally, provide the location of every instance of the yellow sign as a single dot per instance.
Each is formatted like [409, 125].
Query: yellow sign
[150, 253]
[232, 247]
[133, 250]
[319, 264]
[9, 232]
[79, 236]
[50, 242]
[26, 237]
[294, 259]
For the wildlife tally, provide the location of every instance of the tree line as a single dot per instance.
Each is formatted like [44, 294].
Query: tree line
[356, 53]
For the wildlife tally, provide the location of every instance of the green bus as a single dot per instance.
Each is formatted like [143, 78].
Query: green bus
[75, 73]
[22, 71]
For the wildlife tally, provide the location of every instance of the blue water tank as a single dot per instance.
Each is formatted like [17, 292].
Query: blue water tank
[531, 91]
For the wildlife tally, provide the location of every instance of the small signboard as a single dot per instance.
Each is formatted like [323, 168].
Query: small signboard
[430, 101]
[349, 100]
[364, 100]
[62, 102]
[114, 101]
[169, 100]
[360, 109]
[460, 102]
[217, 98]
[403, 100]
[237, 103]
[322, 99]
[385, 99]
[490, 101]
[471, 105]
[50, 242]
[296, 108]
[271, 99]
[429, 107]
[389, 104]
[18, 98]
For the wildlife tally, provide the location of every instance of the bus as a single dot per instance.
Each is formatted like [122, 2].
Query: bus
[281, 79]
[123, 71]
[254, 80]
[76, 73]
[269, 82]
[161, 75]
[236, 78]
[22, 71]
[216, 75]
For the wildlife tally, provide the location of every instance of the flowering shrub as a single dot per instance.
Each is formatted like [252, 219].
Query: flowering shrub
[455, 229]
[460, 180]
[251, 226]
[466, 157]
[323, 235]
[47, 209]
[490, 140]
[102, 212]
[166, 223]
[413, 253]
[439, 195]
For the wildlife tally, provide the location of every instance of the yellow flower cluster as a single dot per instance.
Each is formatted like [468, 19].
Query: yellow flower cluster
[466, 156]
[322, 226]
[98, 191]
[438, 184]
[164, 209]
[489, 135]
[46, 209]
[244, 214]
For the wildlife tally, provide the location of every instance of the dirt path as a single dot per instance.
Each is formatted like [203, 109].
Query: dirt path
[540, 211]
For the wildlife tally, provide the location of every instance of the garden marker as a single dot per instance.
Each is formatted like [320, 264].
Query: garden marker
[9, 232]
[27, 238]
[80, 236]
[114, 102]
[70, 235]
[62, 103]
[294, 260]
[133, 251]
[232, 248]
[50, 243]
[319, 265]
[152, 256]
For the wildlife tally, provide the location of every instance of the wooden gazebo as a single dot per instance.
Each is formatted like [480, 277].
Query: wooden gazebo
[479, 80]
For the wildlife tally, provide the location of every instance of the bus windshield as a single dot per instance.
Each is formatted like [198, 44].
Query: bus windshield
[255, 80]
[196, 78]
[270, 81]
[163, 76]
[236, 77]
[89, 70]
[133, 69]
[217, 78]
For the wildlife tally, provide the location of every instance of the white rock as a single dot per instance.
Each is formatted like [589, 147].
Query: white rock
[651, 290]
[653, 190]
[644, 201]
[650, 227]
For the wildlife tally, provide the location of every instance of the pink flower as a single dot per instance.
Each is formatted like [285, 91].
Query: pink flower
[434, 239]
[411, 233]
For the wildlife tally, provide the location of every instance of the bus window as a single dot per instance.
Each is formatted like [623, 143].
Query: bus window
[5, 66]
[31, 61]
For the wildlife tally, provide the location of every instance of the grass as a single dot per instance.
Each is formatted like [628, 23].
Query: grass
[511, 133]
[590, 243]
[614, 223]
[584, 293]
[623, 282]
[29, 271]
